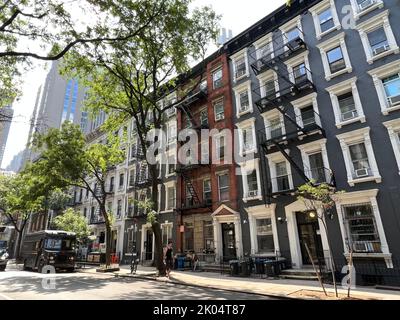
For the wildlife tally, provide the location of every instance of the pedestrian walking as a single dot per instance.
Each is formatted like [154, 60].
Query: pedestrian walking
[168, 257]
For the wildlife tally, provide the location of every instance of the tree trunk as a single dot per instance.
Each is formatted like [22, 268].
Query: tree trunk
[158, 245]
[19, 241]
[108, 236]
[332, 263]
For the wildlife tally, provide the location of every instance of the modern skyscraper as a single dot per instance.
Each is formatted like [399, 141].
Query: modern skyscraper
[6, 115]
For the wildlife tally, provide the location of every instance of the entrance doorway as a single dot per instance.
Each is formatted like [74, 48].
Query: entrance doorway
[309, 233]
[148, 245]
[228, 241]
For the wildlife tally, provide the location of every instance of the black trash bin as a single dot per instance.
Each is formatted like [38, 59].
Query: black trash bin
[259, 264]
[272, 268]
[234, 266]
[245, 268]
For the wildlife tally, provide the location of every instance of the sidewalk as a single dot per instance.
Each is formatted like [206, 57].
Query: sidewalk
[270, 287]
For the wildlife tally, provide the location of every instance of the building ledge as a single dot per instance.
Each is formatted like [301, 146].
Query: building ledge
[338, 73]
[373, 255]
[377, 179]
[361, 119]
[383, 54]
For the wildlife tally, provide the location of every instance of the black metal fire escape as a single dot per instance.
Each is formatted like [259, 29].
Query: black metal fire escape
[292, 85]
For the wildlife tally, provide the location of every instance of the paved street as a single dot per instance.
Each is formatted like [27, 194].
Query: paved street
[22, 285]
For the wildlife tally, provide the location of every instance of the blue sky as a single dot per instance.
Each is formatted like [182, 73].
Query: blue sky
[236, 15]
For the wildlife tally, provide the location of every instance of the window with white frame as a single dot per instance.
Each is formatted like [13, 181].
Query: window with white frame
[299, 68]
[223, 187]
[393, 127]
[217, 78]
[280, 172]
[264, 47]
[387, 83]
[171, 133]
[171, 167]
[171, 190]
[189, 195]
[130, 204]
[204, 151]
[219, 111]
[247, 136]
[204, 117]
[220, 143]
[119, 208]
[207, 195]
[265, 238]
[346, 102]
[359, 156]
[269, 85]
[274, 124]
[377, 37]
[362, 7]
[240, 67]
[166, 231]
[306, 111]
[131, 178]
[111, 189]
[335, 57]
[121, 181]
[243, 98]
[325, 18]
[291, 31]
[251, 180]
[208, 232]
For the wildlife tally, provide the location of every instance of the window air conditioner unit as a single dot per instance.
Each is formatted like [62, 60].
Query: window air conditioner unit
[394, 101]
[243, 108]
[170, 112]
[365, 4]
[252, 193]
[219, 117]
[362, 173]
[349, 115]
[381, 49]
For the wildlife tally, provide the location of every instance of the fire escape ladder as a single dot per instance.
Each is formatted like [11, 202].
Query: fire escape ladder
[189, 187]
[265, 185]
[299, 170]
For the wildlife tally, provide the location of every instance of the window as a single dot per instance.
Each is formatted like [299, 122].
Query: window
[221, 147]
[171, 198]
[307, 116]
[282, 178]
[85, 212]
[291, 31]
[80, 195]
[119, 208]
[208, 232]
[359, 159]
[219, 110]
[292, 34]
[121, 181]
[189, 236]
[347, 107]
[265, 239]
[244, 101]
[109, 207]
[335, 58]
[223, 187]
[207, 195]
[252, 184]
[300, 73]
[217, 78]
[391, 85]
[377, 37]
[132, 178]
[248, 142]
[317, 169]
[171, 165]
[326, 20]
[130, 204]
[362, 7]
[275, 128]
[346, 102]
[243, 98]
[393, 127]
[166, 230]
[361, 228]
[204, 117]
[189, 195]
[240, 68]
[270, 89]
[359, 156]
[171, 133]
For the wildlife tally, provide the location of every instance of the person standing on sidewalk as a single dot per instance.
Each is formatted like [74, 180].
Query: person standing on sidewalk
[168, 257]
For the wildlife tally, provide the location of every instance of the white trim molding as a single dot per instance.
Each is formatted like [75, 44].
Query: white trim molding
[354, 137]
[242, 54]
[309, 100]
[260, 43]
[379, 21]
[319, 8]
[393, 128]
[270, 115]
[324, 47]
[273, 159]
[245, 125]
[167, 185]
[245, 86]
[378, 74]
[247, 168]
[339, 89]
[296, 22]
[262, 212]
[356, 197]
[358, 12]
[297, 60]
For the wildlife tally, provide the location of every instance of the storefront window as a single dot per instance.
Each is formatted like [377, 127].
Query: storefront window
[265, 240]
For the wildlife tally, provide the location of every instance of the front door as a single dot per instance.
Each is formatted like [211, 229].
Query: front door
[228, 241]
[309, 234]
[149, 245]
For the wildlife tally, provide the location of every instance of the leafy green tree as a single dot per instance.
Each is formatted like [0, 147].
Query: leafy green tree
[72, 221]
[320, 199]
[20, 197]
[67, 161]
[132, 81]
[48, 29]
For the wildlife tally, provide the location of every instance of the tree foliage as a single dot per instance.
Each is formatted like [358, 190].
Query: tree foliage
[73, 221]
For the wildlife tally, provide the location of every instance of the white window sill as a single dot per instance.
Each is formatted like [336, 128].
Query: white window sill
[246, 152]
[361, 119]
[338, 73]
[246, 75]
[386, 110]
[386, 256]
[377, 179]
[252, 198]
[359, 14]
[170, 175]
[167, 211]
[383, 54]
[249, 110]
[322, 34]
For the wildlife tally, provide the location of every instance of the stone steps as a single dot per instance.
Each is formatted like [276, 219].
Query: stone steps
[301, 274]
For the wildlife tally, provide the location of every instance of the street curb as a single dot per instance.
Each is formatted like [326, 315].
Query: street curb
[177, 282]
